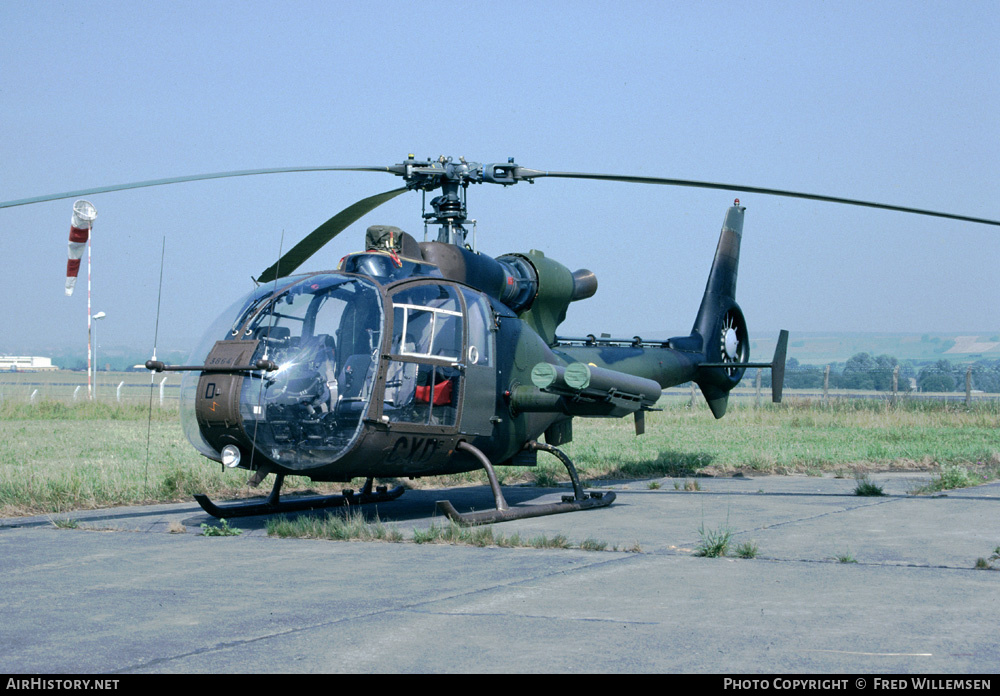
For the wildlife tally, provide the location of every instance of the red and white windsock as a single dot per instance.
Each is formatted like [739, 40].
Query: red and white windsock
[84, 214]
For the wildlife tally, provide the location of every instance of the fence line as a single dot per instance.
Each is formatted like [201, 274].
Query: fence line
[169, 394]
[70, 392]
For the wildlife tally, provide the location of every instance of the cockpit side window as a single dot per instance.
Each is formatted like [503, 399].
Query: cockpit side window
[424, 378]
[480, 328]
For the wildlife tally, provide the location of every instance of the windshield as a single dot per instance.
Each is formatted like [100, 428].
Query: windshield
[324, 333]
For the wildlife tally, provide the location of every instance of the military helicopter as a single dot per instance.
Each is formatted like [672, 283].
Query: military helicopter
[418, 359]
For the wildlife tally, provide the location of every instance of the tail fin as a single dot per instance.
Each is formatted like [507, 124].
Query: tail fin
[720, 324]
[725, 265]
[720, 332]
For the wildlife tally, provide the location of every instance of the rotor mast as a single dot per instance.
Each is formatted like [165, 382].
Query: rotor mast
[450, 211]
[453, 178]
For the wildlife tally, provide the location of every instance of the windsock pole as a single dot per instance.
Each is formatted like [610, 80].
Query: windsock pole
[90, 320]
[84, 214]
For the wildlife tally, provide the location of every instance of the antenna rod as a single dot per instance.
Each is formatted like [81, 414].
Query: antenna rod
[156, 336]
[159, 296]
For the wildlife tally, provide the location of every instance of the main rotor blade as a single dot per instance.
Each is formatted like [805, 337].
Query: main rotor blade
[182, 179]
[298, 254]
[524, 173]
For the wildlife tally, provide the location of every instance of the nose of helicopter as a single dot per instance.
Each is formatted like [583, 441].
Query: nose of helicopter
[322, 332]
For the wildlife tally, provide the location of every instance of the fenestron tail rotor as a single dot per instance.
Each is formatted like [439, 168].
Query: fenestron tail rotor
[733, 341]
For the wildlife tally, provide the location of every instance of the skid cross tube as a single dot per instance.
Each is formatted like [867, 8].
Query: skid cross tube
[504, 513]
[273, 504]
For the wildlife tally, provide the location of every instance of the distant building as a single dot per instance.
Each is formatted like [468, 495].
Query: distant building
[26, 363]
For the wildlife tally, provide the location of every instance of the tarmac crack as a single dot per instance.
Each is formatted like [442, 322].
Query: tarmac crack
[829, 513]
[544, 617]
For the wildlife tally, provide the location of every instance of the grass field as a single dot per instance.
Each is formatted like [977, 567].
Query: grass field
[797, 436]
[60, 456]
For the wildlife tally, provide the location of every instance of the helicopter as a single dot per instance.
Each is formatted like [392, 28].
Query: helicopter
[415, 359]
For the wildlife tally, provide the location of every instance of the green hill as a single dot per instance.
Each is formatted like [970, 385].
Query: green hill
[812, 348]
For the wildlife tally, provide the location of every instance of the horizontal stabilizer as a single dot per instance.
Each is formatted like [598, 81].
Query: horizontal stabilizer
[776, 366]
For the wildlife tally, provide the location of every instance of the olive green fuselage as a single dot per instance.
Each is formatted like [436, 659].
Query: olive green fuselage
[389, 364]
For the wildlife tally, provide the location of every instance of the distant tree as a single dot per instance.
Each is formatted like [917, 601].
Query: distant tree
[986, 376]
[804, 377]
[906, 376]
[885, 365]
[836, 376]
[938, 377]
[862, 371]
[797, 376]
[937, 382]
[859, 372]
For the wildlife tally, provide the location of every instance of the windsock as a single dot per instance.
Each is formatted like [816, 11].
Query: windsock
[84, 214]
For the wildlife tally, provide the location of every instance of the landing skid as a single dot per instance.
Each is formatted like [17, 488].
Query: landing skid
[470, 519]
[274, 504]
[504, 513]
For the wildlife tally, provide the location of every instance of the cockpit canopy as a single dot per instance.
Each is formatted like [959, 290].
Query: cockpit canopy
[324, 332]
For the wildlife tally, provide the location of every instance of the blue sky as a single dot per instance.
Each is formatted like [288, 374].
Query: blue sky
[884, 101]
